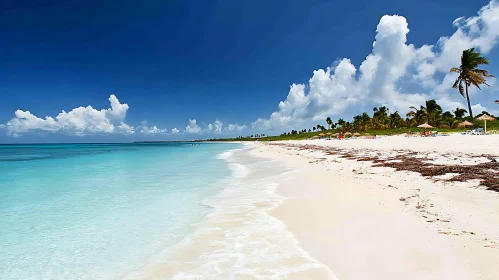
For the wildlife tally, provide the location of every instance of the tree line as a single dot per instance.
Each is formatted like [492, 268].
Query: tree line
[469, 74]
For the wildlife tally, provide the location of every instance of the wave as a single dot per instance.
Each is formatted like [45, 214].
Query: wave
[238, 170]
[239, 239]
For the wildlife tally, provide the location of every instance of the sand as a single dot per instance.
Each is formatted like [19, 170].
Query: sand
[320, 209]
[367, 222]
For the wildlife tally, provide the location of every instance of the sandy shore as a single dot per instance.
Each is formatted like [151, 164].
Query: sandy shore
[366, 222]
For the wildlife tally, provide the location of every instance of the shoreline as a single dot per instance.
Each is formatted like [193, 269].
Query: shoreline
[239, 239]
[367, 222]
[322, 210]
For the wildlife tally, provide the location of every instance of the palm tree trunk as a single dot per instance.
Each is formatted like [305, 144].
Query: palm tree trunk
[469, 105]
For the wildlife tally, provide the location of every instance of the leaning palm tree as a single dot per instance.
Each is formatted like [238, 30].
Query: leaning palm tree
[469, 74]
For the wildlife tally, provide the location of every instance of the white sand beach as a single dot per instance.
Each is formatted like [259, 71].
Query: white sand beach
[320, 209]
[367, 222]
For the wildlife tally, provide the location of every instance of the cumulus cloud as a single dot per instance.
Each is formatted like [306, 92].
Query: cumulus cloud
[235, 127]
[381, 77]
[478, 109]
[175, 131]
[216, 127]
[79, 121]
[145, 129]
[125, 128]
[192, 127]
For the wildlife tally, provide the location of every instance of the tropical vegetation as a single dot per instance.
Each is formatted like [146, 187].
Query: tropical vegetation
[470, 74]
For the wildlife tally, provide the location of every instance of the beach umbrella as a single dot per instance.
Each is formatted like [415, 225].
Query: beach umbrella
[348, 133]
[329, 133]
[485, 118]
[356, 134]
[321, 135]
[465, 123]
[425, 126]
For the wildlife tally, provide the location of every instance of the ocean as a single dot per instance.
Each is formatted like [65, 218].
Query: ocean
[151, 210]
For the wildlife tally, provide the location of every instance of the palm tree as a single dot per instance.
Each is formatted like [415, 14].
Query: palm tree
[459, 113]
[340, 122]
[395, 120]
[329, 122]
[366, 120]
[415, 116]
[448, 119]
[357, 122]
[313, 128]
[432, 112]
[469, 74]
[381, 119]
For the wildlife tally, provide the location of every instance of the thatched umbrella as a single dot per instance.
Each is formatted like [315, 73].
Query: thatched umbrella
[321, 135]
[348, 133]
[329, 133]
[465, 124]
[425, 126]
[485, 118]
[356, 134]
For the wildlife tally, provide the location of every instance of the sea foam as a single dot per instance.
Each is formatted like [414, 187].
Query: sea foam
[239, 239]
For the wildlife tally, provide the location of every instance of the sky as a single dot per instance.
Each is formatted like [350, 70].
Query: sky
[121, 71]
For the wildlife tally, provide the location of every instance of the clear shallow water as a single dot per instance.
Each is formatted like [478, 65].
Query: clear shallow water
[94, 211]
[239, 239]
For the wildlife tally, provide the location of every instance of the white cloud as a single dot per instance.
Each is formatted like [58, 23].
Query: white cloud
[175, 131]
[145, 129]
[216, 127]
[125, 128]
[383, 76]
[79, 121]
[235, 127]
[478, 109]
[192, 127]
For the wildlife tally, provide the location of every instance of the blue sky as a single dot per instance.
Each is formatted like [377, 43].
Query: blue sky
[228, 65]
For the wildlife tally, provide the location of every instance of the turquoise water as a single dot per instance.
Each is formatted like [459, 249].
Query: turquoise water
[97, 211]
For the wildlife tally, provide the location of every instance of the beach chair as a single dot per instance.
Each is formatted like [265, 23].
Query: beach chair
[469, 132]
[479, 131]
